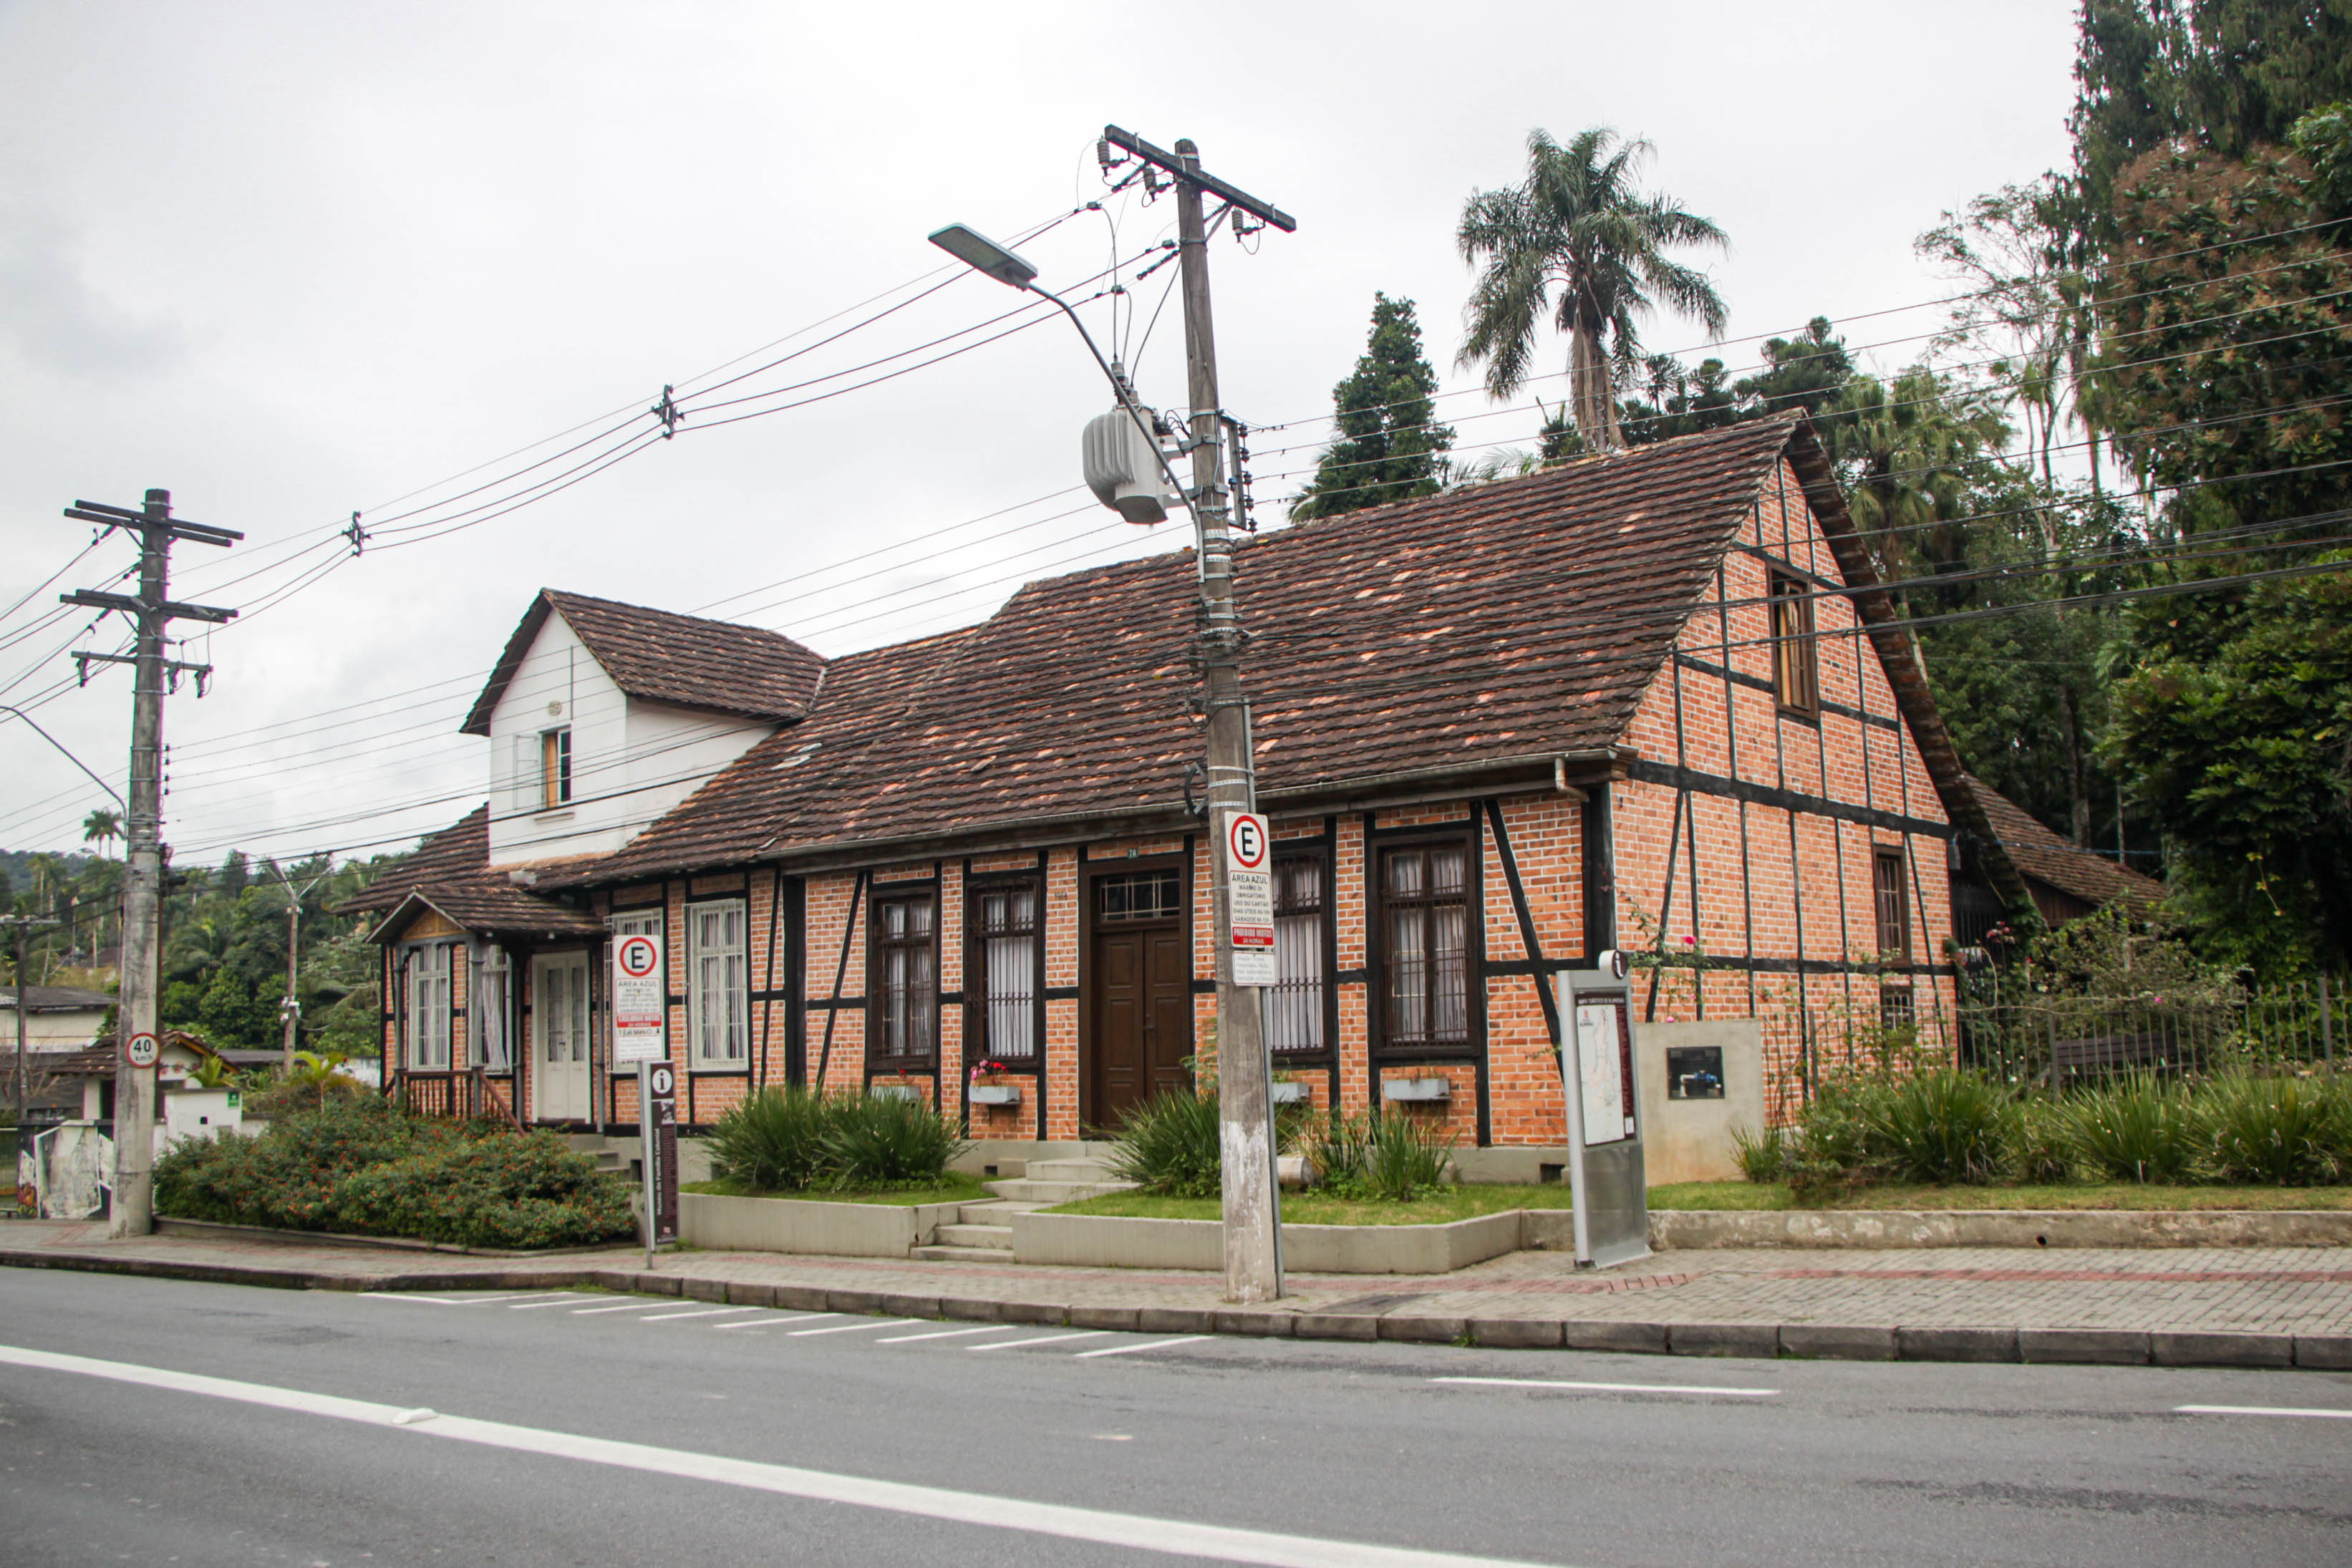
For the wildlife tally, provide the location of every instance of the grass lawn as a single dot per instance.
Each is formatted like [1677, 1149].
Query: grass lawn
[957, 1188]
[1462, 1202]
[2114, 1195]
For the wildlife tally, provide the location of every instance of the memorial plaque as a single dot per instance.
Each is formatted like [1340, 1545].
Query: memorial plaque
[1694, 1072]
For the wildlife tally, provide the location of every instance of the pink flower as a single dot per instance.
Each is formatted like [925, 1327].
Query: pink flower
[1690, 941]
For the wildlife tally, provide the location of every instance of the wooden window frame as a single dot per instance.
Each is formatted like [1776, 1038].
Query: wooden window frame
[697, 1058]
[977, 1046]
[880, 1059]
[1317, 852]
[555, 768]
[412, 1003]
[1385, 1046]
[1882, 857]
[1796, 645]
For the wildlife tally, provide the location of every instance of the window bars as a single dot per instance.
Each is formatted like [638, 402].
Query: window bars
[1425, 914]
[1005, 922]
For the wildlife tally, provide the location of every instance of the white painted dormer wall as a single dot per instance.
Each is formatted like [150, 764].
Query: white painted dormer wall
[631, 759]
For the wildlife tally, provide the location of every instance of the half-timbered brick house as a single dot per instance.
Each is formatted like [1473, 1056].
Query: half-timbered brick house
[1652, 700]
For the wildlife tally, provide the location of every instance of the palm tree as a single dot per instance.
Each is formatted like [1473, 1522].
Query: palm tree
[1578, 227]
[100, 826]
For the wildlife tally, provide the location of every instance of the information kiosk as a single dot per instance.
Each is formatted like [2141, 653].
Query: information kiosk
[1609, 1186]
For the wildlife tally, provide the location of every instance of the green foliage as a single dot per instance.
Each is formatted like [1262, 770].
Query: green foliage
[1943, 1124]
[1405, 1157]
[1761, 1156]
[1334, 1143]
[363, 1167]
[795, 1139]
[1391, 447]
[2041, 1142]
[2290, 1130]
[235, 1014]
[1169, 1144]
[2135, 1129]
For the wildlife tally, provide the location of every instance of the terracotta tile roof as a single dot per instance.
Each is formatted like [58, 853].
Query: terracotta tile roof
[662, 657]
[489, 902]
[461, 849]
[450, 871]
[2046, 856]
[1498, 622]
[55, 999]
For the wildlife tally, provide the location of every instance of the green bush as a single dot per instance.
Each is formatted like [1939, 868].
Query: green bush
[2041, 1141]
[1405, 1157]
[1939, 1124]
[772, 1142]
[366, 1167]
[1168, 1145]
[1762, 1156]
[2135, 1129]
[2294, 1132]
[1334, 1144]
[881, 1141]
[1831, 1146]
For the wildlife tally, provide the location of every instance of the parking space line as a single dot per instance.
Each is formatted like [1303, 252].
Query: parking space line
[1048, 1340]
[853, 1328]
[1149, 1346]
[460, 1300]
[699, 1312]
[946, 1334]
[642, 1304]
[1615, 1387]
[563, 1299]
[2261, 1410]
[775, 1322]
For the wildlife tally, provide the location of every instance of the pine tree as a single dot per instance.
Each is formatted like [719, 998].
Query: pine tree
[1391, 447]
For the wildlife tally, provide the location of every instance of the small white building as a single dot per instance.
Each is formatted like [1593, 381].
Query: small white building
[57, 1017]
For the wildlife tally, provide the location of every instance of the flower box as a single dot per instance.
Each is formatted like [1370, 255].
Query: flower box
[1417, 1088]
[997, 1094]
[1292, 1094]
[895, 1090]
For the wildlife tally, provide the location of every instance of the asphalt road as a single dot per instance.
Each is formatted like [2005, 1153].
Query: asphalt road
[595, 1429]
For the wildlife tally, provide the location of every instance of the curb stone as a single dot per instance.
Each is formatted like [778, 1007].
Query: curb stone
[1830, 1342]
[2220, 1349]
[1956, 1344]
[1415, 1329]
[1336, 1326]
[2330, 1353]
[1606, 1334]
[2094, 1347]
[1515, 1334]
[1759, 1340]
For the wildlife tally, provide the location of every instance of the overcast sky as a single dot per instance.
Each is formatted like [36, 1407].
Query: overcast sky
[296, 260]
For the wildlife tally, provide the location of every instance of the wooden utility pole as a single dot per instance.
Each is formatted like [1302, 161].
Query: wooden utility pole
[142, 884]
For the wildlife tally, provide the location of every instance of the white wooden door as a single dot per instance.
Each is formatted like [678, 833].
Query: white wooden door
[558, 1023]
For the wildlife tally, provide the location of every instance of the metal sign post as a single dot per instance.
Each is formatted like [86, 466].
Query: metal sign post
[1249, 898]
[657, 1146]
[1608, 1181]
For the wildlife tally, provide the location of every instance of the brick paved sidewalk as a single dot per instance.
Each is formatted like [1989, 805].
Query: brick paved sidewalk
[2234, 1306]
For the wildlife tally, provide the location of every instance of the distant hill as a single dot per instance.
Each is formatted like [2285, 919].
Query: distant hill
[17, 865]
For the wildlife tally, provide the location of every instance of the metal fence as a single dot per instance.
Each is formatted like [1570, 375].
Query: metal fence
[2021, 1033]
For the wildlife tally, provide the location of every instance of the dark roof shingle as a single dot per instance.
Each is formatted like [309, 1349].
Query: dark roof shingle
[2064, 865]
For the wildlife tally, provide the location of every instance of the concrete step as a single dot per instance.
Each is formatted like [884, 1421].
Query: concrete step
[964, 1254]
[1045, 1194]
[990, 1236]
[992, 1211]
[1086, 1171]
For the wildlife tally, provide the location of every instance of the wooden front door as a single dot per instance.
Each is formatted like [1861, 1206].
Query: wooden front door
[1140, 1001]
[558, 1027]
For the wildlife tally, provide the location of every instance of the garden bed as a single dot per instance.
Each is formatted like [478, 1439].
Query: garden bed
[1465, 1201]
[2119, 1195]
[955, 1187]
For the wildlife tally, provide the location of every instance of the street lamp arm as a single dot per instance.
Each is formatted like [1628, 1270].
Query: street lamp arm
[1126, 398]
[77, 761]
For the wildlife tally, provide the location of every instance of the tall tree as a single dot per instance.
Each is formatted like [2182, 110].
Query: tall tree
[1391, 447]
[100, 826]
[1578, 245]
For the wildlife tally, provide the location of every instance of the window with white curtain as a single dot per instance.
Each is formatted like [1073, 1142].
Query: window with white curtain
[718, 990]
[487, 1009]
[429, 1004]
[906, 972]
[1294, 1007]
[1004, 917]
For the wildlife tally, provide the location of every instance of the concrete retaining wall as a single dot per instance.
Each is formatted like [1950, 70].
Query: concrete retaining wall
[1987, 1227]
[1105, 1241]
[798, 1225]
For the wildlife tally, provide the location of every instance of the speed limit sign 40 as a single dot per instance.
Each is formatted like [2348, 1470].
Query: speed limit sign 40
[141, 1050]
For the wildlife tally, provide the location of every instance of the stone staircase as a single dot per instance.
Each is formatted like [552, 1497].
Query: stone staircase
[982, 1231]
[596, 1147]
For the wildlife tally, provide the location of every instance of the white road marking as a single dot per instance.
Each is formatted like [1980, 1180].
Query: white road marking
[945, 1334]
[642, 1304]
[461, 1301]
[853, 1328]
[1048, 1340]
[1615, 1387]
[534, 1306]
[701, 1313]
[772, 1322]
[1180, 1538]
[1151, 1345]
[2261, 1410]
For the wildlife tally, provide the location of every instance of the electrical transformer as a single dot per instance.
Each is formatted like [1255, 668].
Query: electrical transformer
[1122, 467]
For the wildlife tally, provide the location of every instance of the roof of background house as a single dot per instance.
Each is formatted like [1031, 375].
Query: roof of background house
[55, 999]
[450, 872]
[1513, 620]
[2047, 857]
[460, 850]
[662, 657]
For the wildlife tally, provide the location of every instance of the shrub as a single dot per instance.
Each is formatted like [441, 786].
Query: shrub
[772, 1142]
[1405, 1157]
[366, 1167]
[881, 1141]
[1335, 1144]
[2293, 1132]
[1939, 1124]
[1762, 1156]
[1833, 1143]
[2135, 1129]
[1169, 1144]
[2041, 1141]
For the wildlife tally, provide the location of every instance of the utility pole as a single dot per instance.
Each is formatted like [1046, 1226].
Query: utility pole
[23, 924]
[1251, 1194]
[290, 1009]
[142, 884]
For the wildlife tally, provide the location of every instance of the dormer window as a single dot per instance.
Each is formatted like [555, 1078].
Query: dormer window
[554, 768]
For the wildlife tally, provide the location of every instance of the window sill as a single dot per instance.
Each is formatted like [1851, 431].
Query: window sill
[561, 813]
[1802, 715]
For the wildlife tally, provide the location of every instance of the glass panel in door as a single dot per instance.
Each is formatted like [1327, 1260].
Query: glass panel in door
[560, 1037]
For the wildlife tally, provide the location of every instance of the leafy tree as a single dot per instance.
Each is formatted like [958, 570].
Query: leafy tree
[1907, 450]
[1681, 401]
[100, 826]
[1577, 243]
[2244, 758]
[1391, 447]
[235, 1013]
[1808, 372]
